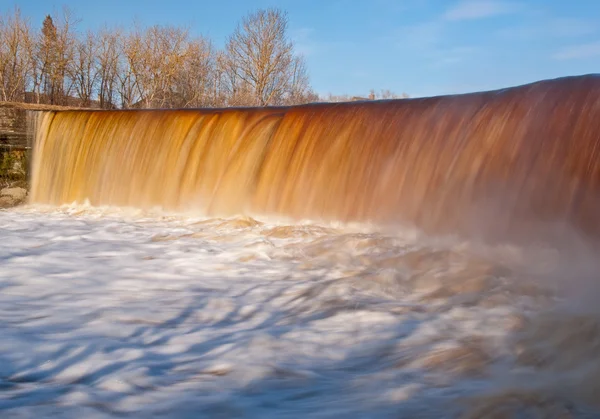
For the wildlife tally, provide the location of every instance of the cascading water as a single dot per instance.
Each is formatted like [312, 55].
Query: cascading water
[514, 158]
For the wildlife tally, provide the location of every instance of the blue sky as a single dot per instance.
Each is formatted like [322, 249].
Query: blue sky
[421, 47]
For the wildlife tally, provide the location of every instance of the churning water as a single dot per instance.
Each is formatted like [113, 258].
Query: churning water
[121, 312]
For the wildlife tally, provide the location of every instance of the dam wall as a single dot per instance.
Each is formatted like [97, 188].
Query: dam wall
[17, 132]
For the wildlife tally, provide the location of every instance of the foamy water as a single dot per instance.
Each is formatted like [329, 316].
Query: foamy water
[107, 313]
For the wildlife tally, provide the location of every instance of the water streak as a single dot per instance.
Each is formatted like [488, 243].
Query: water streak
[512, 160]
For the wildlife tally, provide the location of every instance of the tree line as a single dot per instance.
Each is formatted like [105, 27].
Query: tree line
[156, 66]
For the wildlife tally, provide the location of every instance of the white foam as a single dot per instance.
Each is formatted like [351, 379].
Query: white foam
[120, 311]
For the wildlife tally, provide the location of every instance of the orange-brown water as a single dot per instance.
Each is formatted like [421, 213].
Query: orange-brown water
[493, 162]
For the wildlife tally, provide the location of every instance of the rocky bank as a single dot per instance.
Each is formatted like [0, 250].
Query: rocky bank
[12, 196]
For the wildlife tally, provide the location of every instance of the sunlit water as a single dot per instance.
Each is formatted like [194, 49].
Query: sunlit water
[111, 313]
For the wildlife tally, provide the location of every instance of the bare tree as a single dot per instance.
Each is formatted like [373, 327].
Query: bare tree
[388, 94]
[107, 63]
[166, 52]
[65, 52]
[299, 90]
[235, 90]
[260, 57]
[152, 60]
[373, 95]
[194, 79]
[156, 66]
[219, 90]
[83, 70]
[15, 57]
[54, 54]
[128, 87]
[337, 98]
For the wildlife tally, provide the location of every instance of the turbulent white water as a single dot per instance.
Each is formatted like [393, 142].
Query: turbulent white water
[105, 313]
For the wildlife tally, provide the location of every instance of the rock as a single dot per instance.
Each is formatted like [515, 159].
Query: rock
[6, 202]
[17, 194]
[9, 197]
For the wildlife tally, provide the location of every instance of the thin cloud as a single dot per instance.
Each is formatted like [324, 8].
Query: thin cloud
[451, 56]
[576, 52]
[419, 36]
[303, 42]
[306, 44]
[550, 28]
[479, 9]
[427, 41]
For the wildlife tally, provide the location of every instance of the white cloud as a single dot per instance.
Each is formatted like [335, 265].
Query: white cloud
[581, 51]
[479, 9]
